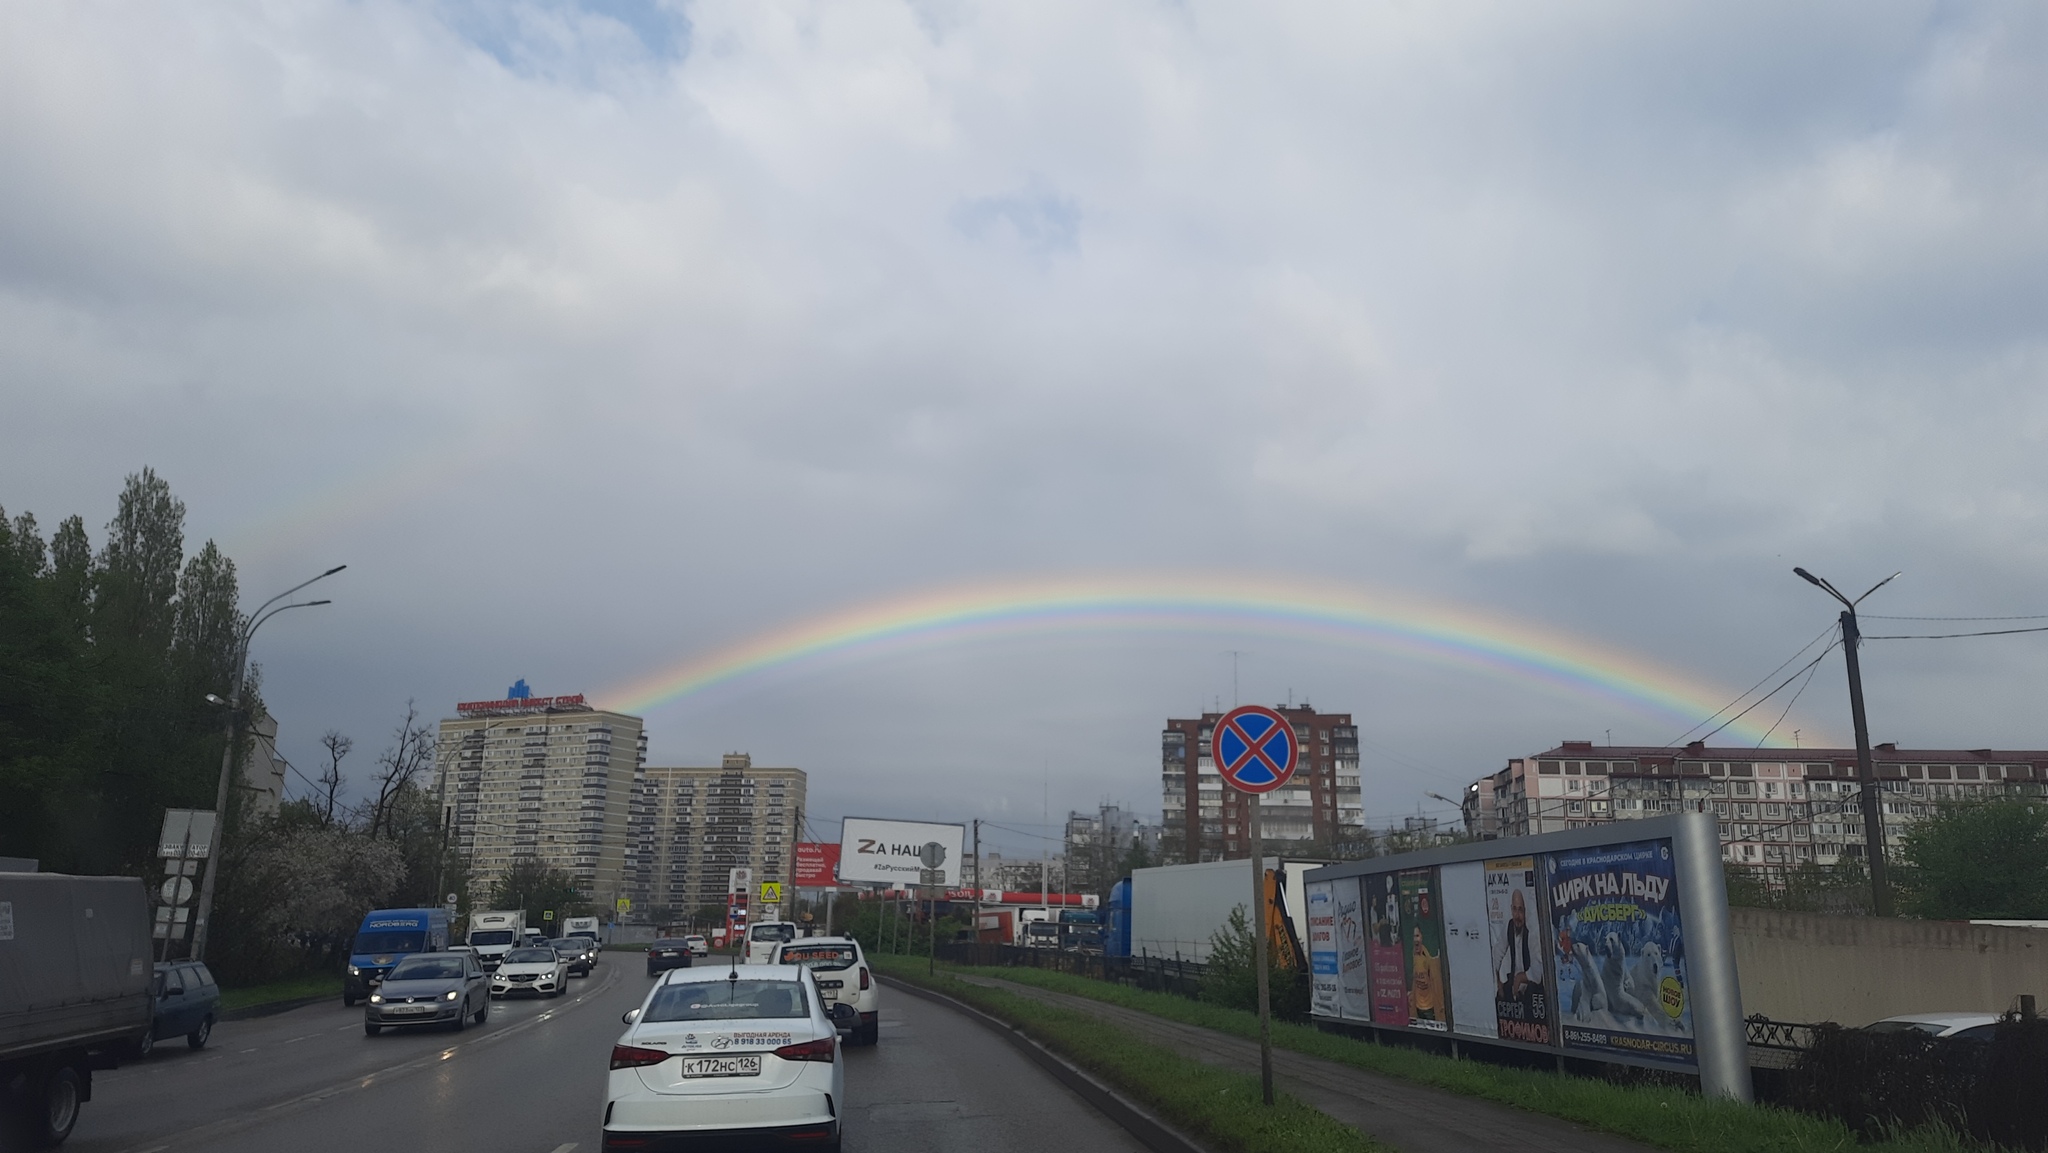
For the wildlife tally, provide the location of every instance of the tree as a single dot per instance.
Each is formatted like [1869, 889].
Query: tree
[338, 748]
[1980, 861]
[411, 752]
[537, 887]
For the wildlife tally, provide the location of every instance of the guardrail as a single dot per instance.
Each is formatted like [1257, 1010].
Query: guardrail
[1776, 1044]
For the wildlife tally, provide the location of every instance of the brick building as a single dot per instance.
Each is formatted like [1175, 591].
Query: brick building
[1205, 821]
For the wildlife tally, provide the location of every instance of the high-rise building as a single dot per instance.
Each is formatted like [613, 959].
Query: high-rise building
[547, 779]
[1205, 821]
[1777, 808]
[693, 825]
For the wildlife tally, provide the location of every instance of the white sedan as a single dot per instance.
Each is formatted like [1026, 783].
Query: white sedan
[540, 971]
[743, 1053]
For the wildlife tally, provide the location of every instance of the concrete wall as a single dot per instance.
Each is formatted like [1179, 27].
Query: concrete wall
[1855, 970]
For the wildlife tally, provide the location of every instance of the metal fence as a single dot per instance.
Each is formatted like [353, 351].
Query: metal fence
[1160, 974]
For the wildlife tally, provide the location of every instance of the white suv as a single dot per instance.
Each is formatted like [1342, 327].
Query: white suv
[763, 937]
[852, 995]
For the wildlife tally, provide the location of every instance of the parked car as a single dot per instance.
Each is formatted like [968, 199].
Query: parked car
[852, 996]
[700, 946]
[668, 953]
[541, 972]
[1957, 1026]
[430, 989]
[576, 951]
[720, 1055]
[185, 1001]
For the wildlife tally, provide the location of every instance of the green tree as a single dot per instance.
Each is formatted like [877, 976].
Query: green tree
[539, 888]
[1987, 860]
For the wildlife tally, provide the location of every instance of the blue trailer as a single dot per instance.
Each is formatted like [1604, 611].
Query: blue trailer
[1117, 941]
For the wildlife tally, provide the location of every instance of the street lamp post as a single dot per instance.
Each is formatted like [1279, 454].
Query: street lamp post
[227, 756]
[1871, 796]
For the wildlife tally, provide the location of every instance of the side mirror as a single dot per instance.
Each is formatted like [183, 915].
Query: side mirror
[630, 1016]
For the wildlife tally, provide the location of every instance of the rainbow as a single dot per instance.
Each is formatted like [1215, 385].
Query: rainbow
[1441, 634]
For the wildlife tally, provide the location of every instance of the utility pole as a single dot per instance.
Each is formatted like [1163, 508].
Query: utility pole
[977, 878]
[202, 920]
[1259, 948]
[1870, 793]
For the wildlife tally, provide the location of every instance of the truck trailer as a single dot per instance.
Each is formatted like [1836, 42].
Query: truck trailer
[1174, 910]
[495, 932]
[75, 974]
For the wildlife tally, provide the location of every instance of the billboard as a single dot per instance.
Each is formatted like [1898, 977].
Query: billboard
[1387, 973]
[1466, 949]
[817, 865]
[1515, 944]
[1620, 951]
[1609, 943]
[1322, 947]
[893, 852]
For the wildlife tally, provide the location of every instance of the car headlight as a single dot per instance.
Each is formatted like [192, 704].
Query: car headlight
[354, 972]
[376, 998]
[452, 995]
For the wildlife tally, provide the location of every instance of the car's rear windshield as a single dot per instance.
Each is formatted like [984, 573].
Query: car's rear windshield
[426, 969]
[818, 956]
[490, 937]
[774, 932]
[388, 942]
[1933, 1028]
[577, 943]
[531, 957]
[727, 1001]
[668, 943]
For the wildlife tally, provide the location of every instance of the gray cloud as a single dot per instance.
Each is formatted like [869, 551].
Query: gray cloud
[592, 336]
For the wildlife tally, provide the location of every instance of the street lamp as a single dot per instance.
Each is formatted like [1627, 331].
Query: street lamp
[227, 756]
[1866, 774]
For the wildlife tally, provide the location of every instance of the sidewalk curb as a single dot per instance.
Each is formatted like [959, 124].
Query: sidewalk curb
[272, 1008]
[1150, 1131]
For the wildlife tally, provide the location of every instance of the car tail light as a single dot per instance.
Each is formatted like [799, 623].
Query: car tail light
[864, 981]
[632, 1057]
[822, 1049]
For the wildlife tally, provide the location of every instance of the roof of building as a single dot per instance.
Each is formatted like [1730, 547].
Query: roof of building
[1587, 750]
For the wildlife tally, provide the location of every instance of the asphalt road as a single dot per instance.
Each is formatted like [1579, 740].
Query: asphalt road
[531, 1080]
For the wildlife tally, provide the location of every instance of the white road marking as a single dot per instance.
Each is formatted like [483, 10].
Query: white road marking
[565, 1147]
[251, 1050]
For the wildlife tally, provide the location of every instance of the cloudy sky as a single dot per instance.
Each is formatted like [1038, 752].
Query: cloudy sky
[595, 339]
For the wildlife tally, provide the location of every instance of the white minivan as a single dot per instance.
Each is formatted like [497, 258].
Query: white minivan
[763, 937]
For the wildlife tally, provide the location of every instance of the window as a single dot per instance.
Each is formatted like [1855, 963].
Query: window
[1550, 766]
[727, 1001]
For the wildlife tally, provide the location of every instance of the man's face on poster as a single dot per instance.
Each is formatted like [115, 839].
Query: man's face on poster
[1518, 911]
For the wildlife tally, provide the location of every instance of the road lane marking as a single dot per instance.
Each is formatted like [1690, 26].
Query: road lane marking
[252, 1050]
[564, 1147]
[201, 1135]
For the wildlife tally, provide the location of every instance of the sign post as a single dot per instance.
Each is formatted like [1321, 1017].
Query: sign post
[1255, 753]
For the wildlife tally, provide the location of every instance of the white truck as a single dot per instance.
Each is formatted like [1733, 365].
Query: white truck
[1176, 909]
[495, 932]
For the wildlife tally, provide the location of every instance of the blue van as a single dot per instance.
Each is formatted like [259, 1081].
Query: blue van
[386, 937]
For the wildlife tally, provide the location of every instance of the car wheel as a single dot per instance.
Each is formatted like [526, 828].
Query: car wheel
[54, 1109]
[145, 1044]
[197, 1037]
[371, 1030]
[483, 1011]
[348, 1000]
[870, 1033]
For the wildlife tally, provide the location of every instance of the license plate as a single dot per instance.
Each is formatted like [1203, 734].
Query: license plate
[831, 984]
[748, 1066]
[410, 1009]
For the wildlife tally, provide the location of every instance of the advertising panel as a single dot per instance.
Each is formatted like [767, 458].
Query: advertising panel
[817, 865]
[1422, 938]
[1322, 947]
[1620, 951]
[1354, 994]
[1466, 951]
[1515, 935]
[1387, 971]
[893, 852]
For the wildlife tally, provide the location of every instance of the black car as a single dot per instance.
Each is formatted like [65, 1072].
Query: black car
[667, 953]
[576, 951]
[186, 1002]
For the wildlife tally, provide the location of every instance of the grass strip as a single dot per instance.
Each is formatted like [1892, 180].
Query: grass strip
[1217, 1107]
[292, 989]
[1665, 1117]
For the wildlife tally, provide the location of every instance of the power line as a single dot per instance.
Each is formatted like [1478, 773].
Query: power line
[1876, 617]
[1774, 692]
[1680, 738]
[1952, 636]
[1810, 671]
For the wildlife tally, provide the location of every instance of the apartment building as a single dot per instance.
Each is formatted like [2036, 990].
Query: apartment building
[1777, 808]
[549, 779]
[1205, 821]
[692, 825]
